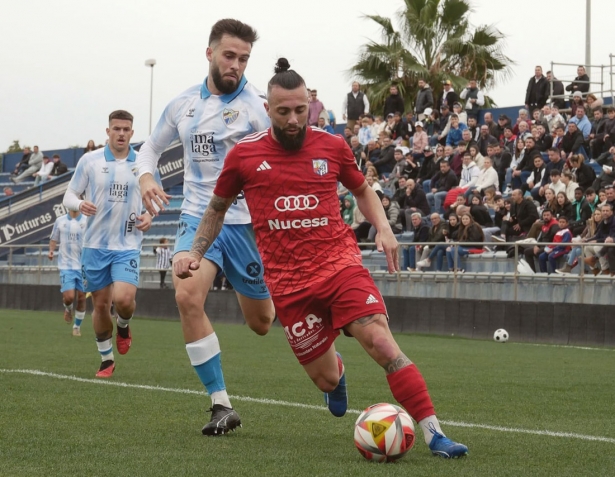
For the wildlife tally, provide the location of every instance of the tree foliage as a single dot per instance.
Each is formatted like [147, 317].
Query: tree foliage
[433, 41]
[15, 147]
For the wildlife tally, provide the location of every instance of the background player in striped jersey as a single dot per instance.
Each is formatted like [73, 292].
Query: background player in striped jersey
[163, 260]
[209, 119]
[68, 231]
[113, 235]
[312, 263]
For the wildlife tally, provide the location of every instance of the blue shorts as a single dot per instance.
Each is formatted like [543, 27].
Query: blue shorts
[234, 252]
[101, 267]
[71, 280]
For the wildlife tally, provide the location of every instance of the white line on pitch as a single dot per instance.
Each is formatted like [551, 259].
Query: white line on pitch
[35, 372]
[587, 348]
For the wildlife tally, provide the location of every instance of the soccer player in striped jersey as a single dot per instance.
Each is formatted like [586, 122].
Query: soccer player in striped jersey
[312, 263]
[209, 119]
[68, 231]
[113, 234]
[163, 260]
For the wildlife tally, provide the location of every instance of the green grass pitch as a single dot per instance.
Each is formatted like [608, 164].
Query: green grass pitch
[60, 427]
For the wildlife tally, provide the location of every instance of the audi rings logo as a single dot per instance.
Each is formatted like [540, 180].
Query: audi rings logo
[296, 202]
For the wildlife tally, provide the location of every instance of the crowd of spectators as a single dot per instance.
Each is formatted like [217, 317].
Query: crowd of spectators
[445, 173]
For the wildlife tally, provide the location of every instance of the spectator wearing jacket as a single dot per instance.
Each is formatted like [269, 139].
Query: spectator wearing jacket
[484, 139]
[22, 165]
[35, 162]
[550, 227]
[386, 158]
[598, 132]
[454, 136]
[424, 99]
[449, 96]
[474, 99]
[469, 231]
[572, 142]
[441, 183]
[534, 180]
[551, 254]
[580, 83]
[393, 102]
[419, 142]
[469, 175]
[59, 167]
[557, 87]
[593, 253]
[421, 234]
[582, 211]
[523, 214]
[583, 124]
[439, 232]
[415, 200]
[537, 91]
[348, 210]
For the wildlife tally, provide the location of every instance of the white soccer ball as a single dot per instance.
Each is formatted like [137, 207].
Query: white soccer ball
[501, 336]
[384, 433]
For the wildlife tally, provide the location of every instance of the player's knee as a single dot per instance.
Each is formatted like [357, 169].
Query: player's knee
[261, 324]
[68, 300]
[188, 300]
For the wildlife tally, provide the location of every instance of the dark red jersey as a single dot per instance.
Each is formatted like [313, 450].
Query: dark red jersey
[292, 197]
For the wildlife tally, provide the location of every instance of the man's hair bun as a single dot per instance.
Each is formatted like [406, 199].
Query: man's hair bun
[281, 66]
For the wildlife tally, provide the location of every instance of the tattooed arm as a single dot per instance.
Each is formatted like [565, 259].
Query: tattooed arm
[208, 230]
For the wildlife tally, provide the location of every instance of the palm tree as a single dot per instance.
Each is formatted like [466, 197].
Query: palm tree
[434, 42]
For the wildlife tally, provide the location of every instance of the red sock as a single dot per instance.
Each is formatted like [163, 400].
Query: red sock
[409, 389]
[340, 366]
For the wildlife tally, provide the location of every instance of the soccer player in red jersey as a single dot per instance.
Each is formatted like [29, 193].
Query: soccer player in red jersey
[289, 175]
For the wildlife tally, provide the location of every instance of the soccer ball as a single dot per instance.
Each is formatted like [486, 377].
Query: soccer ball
[501, 336]
[384, 433]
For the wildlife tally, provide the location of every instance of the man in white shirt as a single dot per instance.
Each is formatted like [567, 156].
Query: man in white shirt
[43, 173]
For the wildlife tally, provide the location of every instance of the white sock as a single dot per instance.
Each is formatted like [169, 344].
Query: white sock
[428, 425]
[79, 316]
[121, 322]
[220, 397]
[105, 348]
[68, 308]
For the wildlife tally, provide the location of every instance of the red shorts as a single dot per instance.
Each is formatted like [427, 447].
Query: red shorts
[312, 317]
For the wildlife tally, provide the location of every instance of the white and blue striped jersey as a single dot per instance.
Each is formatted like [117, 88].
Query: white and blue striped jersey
[112, 186]
[208, 126]
[69, 233]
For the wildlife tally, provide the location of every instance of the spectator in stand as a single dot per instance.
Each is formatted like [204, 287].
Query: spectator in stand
[598, 132]
[563, 207]
[441, 183]
[501, 162]
[415, 200]
[551, 254]
[378, 126]
[469, 232]
[558, 136]
[372, 151]
[558, 90]
[610, 196]
[437, 233]
[391, 209]
[163, 260]
[584, 173]
[431, 123]
[509, 140]
[421, 234]
[419, 142]
[454, 136]
[430, 166]
[484, 138]
[44, 172]
[90, 147]
[443, 125]
[474, 99]
[555, 163]
[526, 167]
[358, 152]
[466, 136]
[523, 214]
[399, 196]
[552, 116]
[461, 114]
[570, 185]
[549, 228]
[580, 83]
[412, 167]
[593, 103]
[469, 174]
[360, 225]
[524, 117]
[316, 108]
[537, 92]
[348, 209]
[59, 167]
[517, 158]
[583, 124]
[449, 96]
[487, 178]
[543, 140]
[393, 102]
[594, 257]
[607, 176]
[407, 130]
[348, 133]
[592, 198]
[322, 124]
[35, 162]
[577, 102]
[22, 165]
[524, 130]
[532, 184]
[477, 157]
[386, 159]
[457, 159]
[365, 133]
[356, 103]
[400, 166]
[503, 121]
[480, 214]
[572, 142]
[424, 99]
[373, 183]
[582, 211]
[491, 125]
[8, 192]
[537, 118]
[473, 128]
[589, 231]
[396, 129]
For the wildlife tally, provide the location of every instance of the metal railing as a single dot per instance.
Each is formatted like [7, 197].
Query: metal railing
[43, 264]
[602, 84]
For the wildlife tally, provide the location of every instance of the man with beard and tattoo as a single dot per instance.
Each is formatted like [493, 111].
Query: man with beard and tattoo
[209, 119]
[312, 263]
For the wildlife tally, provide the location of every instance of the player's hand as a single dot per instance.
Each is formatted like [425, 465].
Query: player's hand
[87, 208]
[144, 222]
[387, 243]
[50, 255]
[151, 193]
[184, 266]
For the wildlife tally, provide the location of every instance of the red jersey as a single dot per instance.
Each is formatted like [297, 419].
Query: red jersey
[292, 197]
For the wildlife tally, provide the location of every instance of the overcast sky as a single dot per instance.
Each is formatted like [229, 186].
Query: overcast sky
[65, 64]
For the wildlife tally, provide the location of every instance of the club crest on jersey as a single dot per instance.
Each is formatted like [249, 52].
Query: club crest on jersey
[321, 166]
[229, 116]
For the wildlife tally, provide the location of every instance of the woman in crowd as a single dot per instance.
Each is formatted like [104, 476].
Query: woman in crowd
[583, 172]
[517, 157]
[391, 209]
[563, 207]
[437, 233]
[90, 147]
[592, 103]
[576, 252]
[477, 157]
[469, 231]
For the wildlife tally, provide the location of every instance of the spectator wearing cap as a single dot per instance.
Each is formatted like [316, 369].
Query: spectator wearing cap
[576, 102]
[442, 182]
[419, 141]
[580, 83]
[356, 103]
[474, 99]
[316, 108]
[449, 96]
[503, 121]
[537, 91]
[583, 124]
[556, 89]
[365, 133]
[424, 99]
[393, 102]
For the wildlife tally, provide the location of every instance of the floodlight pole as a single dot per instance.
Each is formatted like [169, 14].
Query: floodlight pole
[588, 32]
[151, 63]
